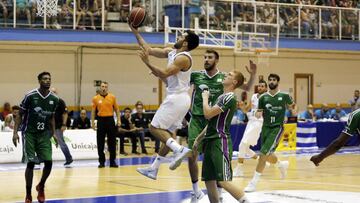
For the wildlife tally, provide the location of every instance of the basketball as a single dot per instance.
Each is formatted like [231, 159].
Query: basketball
[137, 17]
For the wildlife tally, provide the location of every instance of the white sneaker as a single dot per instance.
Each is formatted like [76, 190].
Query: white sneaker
[238, 172]
[184, 152]
[148, 172]
[196, 197]
[251, 187]
[283, 166]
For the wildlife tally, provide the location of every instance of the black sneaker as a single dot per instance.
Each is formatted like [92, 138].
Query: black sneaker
[124, 153]
[114, 165]
[137, 153]
[67, 163]
[101, 166]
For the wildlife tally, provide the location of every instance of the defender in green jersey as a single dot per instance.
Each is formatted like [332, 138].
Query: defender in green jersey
[352, 127]
[272, 106]
[37, 109]
[211, 79]
[217, 145]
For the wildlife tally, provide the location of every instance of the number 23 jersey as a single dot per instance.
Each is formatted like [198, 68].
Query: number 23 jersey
[38, 110]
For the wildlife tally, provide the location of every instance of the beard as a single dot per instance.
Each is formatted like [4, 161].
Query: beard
[178, 44]
[273, 86]
[209, 67]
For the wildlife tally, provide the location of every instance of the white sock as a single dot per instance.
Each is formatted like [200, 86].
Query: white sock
[256, 177]
[243, 199]
[158, 160]
[195, 187]
[173, 145]
[219, 189]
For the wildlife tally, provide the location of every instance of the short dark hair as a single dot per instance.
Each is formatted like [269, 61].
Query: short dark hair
[192, 40]
[42, 74]
[212, 51]
[15, 107]
[273, 75]
[357, 91]
[127, 108]
[263, 81]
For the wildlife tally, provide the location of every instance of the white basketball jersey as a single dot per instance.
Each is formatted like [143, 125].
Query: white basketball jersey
[254, 105]
[181, 81]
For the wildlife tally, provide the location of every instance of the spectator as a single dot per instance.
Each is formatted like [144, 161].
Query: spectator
[124, 10]
[6, 111]
[105, 104]
[323, 113]
[23, 7]
[4, 4]
[308, 114]
[338, 112]
[142, 123]
[355, 102]
[127, 130]
[194, 10]
[138, 103]
[61, 117]
[82, 122]
[10, 119]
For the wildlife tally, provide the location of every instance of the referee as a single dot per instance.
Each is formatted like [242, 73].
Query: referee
[105, 104]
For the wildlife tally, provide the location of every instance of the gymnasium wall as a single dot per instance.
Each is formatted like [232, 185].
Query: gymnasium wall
[74, 67]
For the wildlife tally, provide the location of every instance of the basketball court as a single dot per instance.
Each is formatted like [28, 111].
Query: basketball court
[84, 182]
[336, 180]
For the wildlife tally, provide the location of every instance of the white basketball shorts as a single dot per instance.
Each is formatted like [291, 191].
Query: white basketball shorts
[172, 111]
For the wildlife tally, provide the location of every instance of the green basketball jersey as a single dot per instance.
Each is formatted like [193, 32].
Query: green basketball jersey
[38, 111]
[274, 107]
[219, 126]
[215, 87]
[353, 124]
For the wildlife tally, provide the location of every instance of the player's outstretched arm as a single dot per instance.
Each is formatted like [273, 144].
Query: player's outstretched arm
[252, 71]
[157, 52]
[331, 149]
[199, 139]
[181, 63]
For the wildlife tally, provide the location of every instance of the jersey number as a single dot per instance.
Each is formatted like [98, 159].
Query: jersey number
[272, 119]
[40, 126]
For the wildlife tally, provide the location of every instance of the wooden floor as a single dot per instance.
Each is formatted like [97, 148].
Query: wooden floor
[337, 173]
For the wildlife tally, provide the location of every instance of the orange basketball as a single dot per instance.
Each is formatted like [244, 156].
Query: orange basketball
[137, 17]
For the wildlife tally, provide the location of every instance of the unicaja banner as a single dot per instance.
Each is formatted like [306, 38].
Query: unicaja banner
[288, 138]
[81, 143]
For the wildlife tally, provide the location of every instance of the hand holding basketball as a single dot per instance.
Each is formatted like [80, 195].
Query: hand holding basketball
[137, 17]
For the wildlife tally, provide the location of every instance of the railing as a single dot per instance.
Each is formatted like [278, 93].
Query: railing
[295, 20]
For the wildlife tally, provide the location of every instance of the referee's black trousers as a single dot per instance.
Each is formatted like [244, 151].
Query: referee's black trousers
[106, 126]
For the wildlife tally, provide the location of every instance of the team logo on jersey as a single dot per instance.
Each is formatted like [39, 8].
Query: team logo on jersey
[100, 101]
[219, 80]
[51, 102]
[280, 98]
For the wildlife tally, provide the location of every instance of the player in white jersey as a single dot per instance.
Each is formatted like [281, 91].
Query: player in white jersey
[252, 131]
[176, 76]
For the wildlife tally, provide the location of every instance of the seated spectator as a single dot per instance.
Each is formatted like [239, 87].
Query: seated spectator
[323, 113]
[138, 103]
[82, 122]
[4, 4]
[194, 10]
[10, 119]
[23, 7]
[338, 112]
[355, 101]
[127, 130]
[6, 111]
[308, 114]
[240, 114]
[142, 123]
